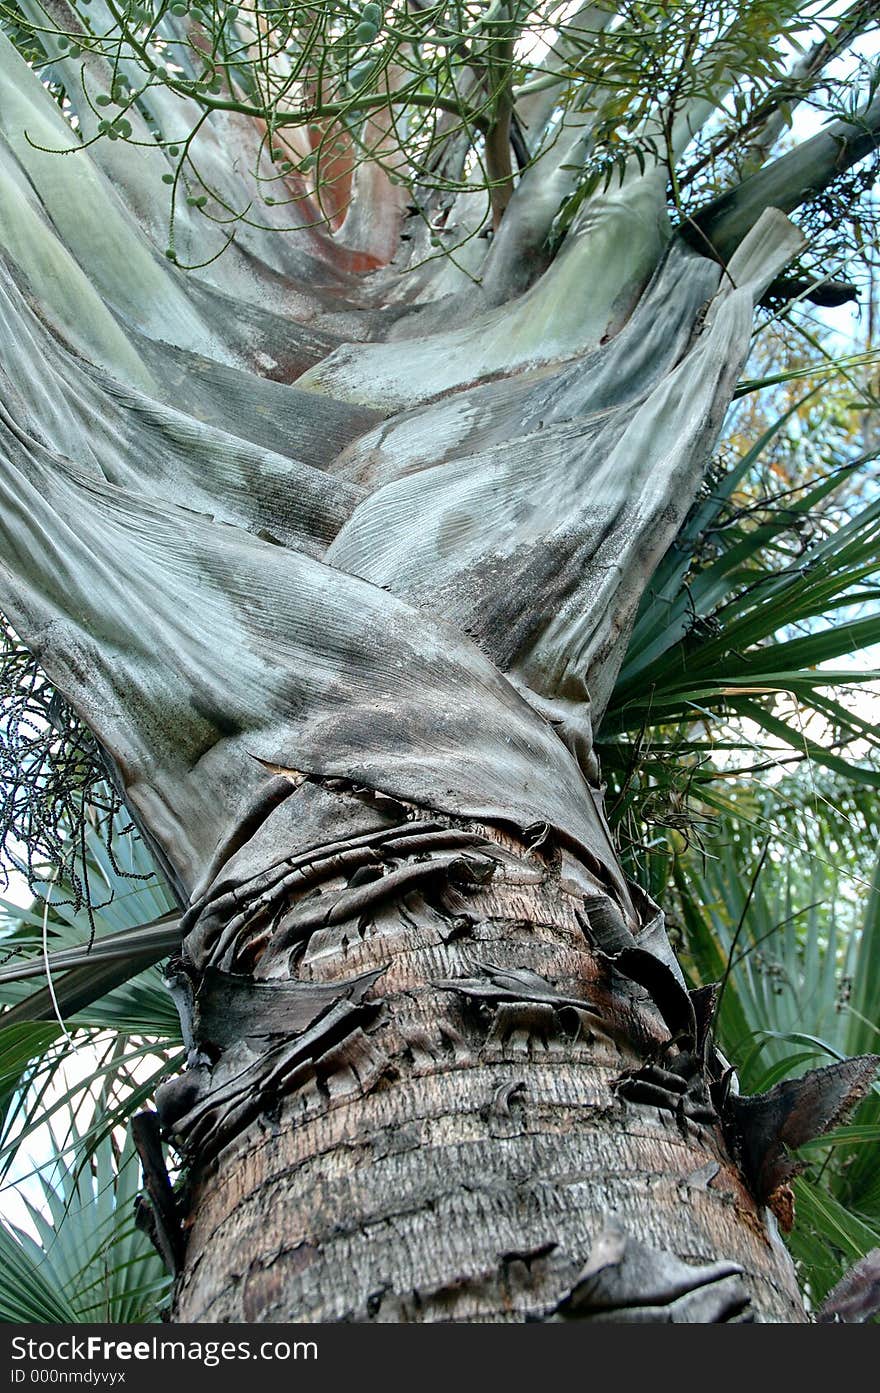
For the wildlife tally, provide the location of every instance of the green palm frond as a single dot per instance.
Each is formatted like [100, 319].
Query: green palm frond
[79, 1055]
[26, 1296]
[731, 634]
[745, 641]
[58, 1091]
[100, 957]
[87, 1261]
[799, 990]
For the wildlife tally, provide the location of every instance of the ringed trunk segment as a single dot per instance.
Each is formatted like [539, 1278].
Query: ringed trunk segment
[426, 1085]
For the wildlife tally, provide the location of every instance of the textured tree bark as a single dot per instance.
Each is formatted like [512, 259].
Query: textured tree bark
[440, 1054]
[497, 1100]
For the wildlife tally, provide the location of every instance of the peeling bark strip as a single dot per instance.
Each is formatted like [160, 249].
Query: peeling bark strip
[420, 1105]
[158, 1214]
[767, 1128]
[856, 1298]
[627, 1281]
[230, 1009]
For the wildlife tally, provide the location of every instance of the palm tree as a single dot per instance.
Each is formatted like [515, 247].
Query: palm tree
[344, 644]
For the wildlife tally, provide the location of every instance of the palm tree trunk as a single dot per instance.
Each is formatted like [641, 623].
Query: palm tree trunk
[439, 1060]
[450, 1097]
